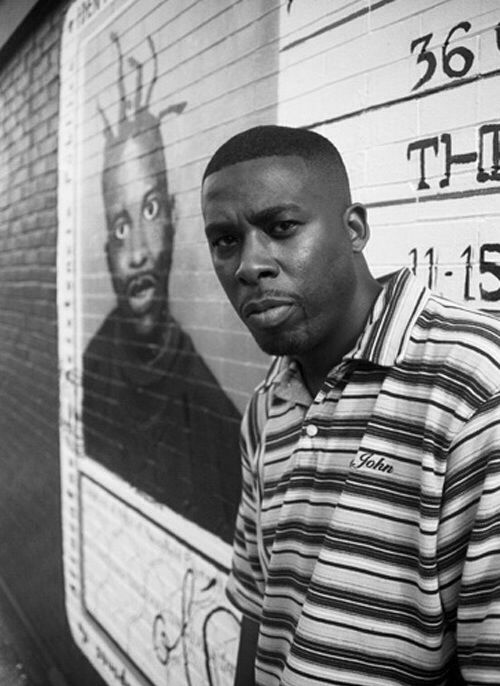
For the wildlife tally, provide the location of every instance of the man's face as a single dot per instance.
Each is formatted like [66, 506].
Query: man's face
[281, 246]
[140, 233]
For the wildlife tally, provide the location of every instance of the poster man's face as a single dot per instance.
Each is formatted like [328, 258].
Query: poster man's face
[140, 232]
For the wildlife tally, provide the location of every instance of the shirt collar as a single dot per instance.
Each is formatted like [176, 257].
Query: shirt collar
[382, 342]
[386, 334]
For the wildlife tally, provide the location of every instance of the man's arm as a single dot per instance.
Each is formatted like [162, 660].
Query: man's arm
[470, 533]
[245, 675]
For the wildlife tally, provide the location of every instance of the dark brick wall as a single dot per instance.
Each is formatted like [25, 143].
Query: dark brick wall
[30, 519]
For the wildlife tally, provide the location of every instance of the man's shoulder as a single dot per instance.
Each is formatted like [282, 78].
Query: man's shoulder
[459, 322]
[101, 342]
[449, 335]
[204, 387]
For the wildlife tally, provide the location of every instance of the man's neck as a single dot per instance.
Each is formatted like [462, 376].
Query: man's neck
[316, 365]
[147, 346]
[314, 375]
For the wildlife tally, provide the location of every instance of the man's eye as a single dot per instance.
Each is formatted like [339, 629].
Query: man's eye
[121, 230]
[223, 242]
[151, 209]
[283, 228]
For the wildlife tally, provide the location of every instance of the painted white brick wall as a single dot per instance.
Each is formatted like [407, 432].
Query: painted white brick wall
[351, 74]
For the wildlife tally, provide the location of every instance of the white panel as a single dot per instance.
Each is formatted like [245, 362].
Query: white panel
[418, 127]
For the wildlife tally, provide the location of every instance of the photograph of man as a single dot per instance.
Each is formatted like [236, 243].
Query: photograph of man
[153, 412]
[368, 535]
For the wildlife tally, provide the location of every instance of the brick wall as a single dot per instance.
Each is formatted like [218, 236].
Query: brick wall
[30, 521]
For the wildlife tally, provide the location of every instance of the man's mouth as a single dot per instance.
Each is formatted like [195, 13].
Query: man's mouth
[267, 312]
[141, 290]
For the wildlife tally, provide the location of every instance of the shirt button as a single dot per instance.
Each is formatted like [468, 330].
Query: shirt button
[311, 430]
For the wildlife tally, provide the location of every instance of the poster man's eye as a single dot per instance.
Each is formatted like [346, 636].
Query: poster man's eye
[121, 230]
[151, 208]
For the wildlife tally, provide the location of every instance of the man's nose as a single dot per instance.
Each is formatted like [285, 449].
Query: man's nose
[138, 249]
[256, 259]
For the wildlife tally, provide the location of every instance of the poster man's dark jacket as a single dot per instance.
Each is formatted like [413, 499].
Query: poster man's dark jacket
[165, 426]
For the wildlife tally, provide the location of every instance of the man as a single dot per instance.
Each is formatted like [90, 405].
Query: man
[368, 536]
[152, 410]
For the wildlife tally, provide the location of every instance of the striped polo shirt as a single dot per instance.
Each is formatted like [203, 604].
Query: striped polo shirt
[368, 537]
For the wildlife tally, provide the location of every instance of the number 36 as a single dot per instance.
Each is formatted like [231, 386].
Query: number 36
[456, 62]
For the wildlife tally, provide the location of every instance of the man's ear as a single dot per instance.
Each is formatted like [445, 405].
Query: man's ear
[355, 220]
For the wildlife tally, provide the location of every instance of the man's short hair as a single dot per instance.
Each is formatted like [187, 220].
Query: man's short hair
[269, 140]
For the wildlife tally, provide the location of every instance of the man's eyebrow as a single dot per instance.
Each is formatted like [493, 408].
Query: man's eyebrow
[215, 227]
[262, 217]
[268, 214]
[121, 214]
[155, 187]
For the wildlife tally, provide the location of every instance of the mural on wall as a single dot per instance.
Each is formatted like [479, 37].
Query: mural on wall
[152, 410]
[154, 367]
